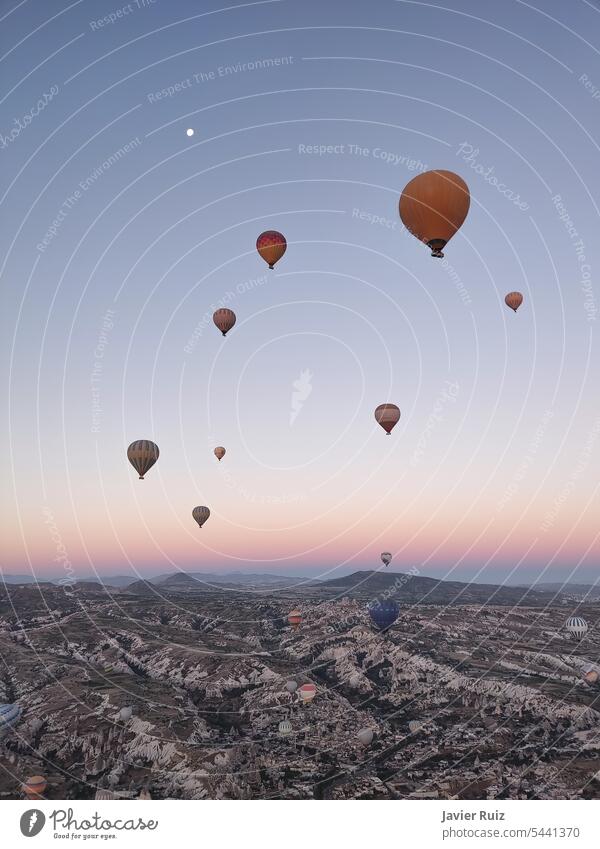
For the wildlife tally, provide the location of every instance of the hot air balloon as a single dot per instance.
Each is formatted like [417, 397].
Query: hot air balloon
[291, 686]
[125, 714]
[383, 613]
[285, 727]
[219, 452]
[414, 726]
[295, 618]
[592, 676]
[200, 515]
[386, 557]
[433, 206]
[388, 416]
[9, 716]
[105, 795]
[142, 454]
[271, 245]
[365, 736]
[224, 320]
[513, 300]
[577, 626]
[35, 787]
[145, 794]
[307, 692]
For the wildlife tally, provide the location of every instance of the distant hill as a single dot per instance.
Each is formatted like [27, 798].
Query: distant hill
[17, 579]
[409, 589]
[591, 591]
[142, 588]
[227, 579]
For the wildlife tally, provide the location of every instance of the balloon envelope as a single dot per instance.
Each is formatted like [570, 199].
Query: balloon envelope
[9, 716]
[433, 206]
[291, 686]
[125, 714]
[219, 452]
[295, 618]
[285, 727]
[513, 300]
[271, 245]
[384, 613]
[35, 786]
[388, 416]
[307, 692]
[592, 676]
[386, 556]
[224, 319]
[365, 736]
[577, 626]
[200, 515]
[142, 454]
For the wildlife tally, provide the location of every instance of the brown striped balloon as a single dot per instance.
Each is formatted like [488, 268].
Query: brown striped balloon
[513, 300]
[224, 320]
[271, 245]
[200, 515]
[142, 454]
[219, 452]
[388, 416]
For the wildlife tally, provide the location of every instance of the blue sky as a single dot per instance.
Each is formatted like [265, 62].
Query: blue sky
[121, 233]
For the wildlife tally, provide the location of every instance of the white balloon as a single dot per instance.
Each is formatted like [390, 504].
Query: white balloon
[365, 735]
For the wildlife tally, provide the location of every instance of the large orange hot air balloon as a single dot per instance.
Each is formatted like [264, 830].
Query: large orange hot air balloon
[224, 320]
[200, 515]
[142, 454]
[271, 245]
[35, 787]
[295, 618]
[433, 206]
[388, 416]
[219, 452]
[513, 300]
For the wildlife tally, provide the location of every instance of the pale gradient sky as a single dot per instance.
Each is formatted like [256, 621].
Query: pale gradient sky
[504, 484]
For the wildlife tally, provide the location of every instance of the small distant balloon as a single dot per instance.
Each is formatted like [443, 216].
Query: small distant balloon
[384, 613]
[271, 245]
[200, 515]
[513, 300]
[592, 676]
[189, 132]
[224, 319]
[142, 454]
[219, 452]
[386, 556]
[577, 626]
[388, 416]
[295, 618]
[365, 736]
[291, 686]
[285, 727]
[307, 692]
[9, 716]
[35, 787]
[125, 714]
[414, 726]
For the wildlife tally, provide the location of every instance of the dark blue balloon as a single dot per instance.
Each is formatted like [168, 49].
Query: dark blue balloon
[383, 613]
